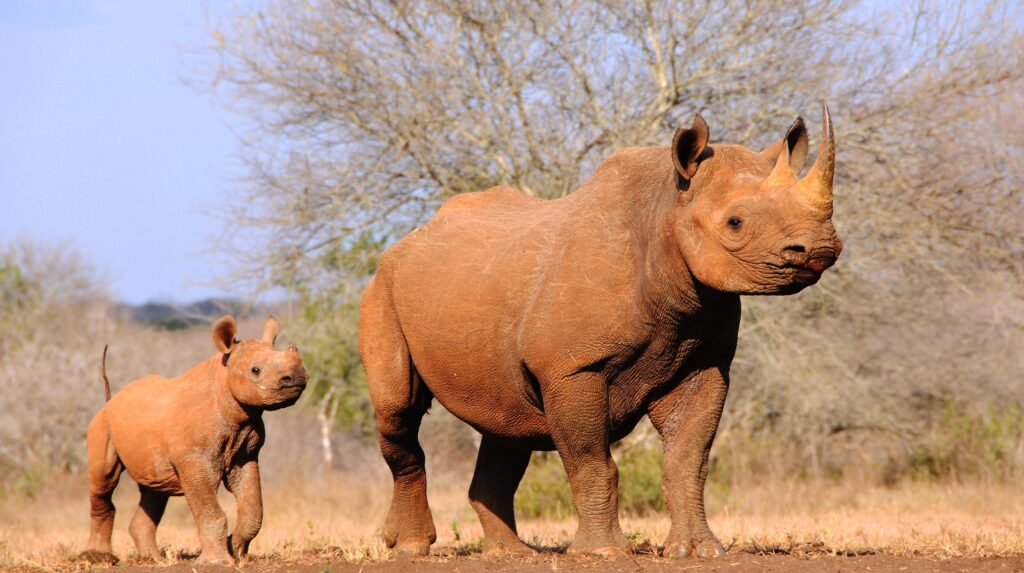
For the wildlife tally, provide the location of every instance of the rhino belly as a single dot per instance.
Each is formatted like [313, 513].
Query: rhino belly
[147, 462]
[480, 386]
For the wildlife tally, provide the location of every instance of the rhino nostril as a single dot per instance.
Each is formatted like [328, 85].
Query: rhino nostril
[794, 254]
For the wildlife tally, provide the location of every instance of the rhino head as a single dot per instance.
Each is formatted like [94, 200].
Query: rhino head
[744, 223]
[257, 375]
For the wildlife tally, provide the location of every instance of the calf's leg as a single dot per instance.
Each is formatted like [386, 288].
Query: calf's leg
[200, 487]
[495, 480]
[244, 484]
[144, 523]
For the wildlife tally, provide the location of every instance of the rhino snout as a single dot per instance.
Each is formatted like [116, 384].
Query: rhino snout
[795, 255]
[294, 380]
[811, 259]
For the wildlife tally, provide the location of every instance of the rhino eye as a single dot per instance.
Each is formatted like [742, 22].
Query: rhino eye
[255, 371]
[735, 223]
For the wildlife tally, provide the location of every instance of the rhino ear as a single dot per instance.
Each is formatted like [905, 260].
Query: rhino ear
[224, 331]
[687, 147]
[795, 142]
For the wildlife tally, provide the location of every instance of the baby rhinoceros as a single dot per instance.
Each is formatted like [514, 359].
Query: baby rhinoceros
[186, 435]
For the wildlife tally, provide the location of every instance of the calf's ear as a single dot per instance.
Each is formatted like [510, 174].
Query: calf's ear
[687, 147]
[224, 331]
[270, 330]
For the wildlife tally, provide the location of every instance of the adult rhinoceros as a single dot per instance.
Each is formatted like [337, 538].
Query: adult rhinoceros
[559, 324]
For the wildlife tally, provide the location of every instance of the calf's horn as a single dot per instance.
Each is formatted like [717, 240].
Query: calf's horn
[816, 186]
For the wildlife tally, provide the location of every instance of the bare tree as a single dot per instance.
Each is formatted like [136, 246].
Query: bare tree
[367, 114]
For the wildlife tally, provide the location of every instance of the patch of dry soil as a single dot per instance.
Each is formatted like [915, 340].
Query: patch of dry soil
[734, 562]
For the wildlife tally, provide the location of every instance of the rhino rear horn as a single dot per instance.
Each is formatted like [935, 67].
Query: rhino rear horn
[816, 186]
[270, 330]
[793, 144]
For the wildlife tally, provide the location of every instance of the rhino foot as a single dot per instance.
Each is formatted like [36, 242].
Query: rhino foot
[612, 552]
[510, 547]
[94, 556]
[413, 549]
[607, 551]
[216, 558]
[707, 548]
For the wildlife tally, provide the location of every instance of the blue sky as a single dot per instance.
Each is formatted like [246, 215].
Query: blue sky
[102, 144]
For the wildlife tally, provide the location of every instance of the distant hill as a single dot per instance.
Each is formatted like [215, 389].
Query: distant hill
[175, 316]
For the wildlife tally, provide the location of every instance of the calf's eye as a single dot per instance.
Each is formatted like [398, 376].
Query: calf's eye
[255, 371]
[735, 223]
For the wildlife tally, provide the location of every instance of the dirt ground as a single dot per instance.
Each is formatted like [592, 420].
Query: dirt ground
[734, 562]
[328, 523]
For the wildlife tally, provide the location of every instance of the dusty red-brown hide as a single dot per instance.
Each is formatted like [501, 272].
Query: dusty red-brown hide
[186, 435]
[559, 324]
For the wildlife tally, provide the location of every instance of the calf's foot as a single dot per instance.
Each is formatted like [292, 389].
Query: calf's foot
[216, 558]
[412, 549]
[239, 547]
[98, 556]
[155, 555]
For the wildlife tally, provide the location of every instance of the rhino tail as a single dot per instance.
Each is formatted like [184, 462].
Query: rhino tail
[103, 373]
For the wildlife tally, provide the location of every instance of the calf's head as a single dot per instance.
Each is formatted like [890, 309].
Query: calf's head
[257, 375]
[745, 223]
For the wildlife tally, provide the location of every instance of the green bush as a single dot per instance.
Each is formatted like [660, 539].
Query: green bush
[545, 493]
[640, 470]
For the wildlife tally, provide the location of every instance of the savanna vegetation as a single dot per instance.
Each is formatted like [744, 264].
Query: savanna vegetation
[906, 361]
[885, 400]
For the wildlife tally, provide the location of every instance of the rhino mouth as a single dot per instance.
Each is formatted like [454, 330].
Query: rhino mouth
[812, 266]
[800, 275]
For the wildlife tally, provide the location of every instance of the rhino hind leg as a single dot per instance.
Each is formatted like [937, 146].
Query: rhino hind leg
[144, 523]
[104, 471]
[409, 527]
[400, 400]
[495, 480]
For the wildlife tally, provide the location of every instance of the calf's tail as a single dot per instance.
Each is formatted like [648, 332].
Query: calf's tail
[103, 372]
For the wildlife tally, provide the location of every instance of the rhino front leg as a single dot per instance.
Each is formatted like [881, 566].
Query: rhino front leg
[244, 484]
[687, 419]
[199, 484]
[577, 414]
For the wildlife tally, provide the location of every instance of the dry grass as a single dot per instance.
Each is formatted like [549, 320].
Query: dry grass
[337, 515]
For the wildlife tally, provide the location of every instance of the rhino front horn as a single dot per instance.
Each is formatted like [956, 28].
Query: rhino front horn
[816, 186]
